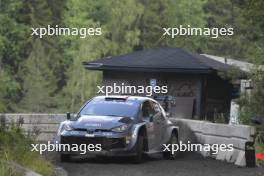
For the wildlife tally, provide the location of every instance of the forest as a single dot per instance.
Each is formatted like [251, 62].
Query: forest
[46, 74]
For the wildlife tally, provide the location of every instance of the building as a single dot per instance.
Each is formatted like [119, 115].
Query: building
[195, 89]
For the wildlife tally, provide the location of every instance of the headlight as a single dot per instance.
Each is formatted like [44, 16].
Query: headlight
[121, 128]
[65, 127]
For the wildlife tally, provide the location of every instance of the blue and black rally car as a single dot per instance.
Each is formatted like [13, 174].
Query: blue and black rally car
[122, 125]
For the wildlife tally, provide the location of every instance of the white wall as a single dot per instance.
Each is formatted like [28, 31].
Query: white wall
[212, 133]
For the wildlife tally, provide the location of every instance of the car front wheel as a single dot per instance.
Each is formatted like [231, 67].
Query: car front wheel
[173, 141]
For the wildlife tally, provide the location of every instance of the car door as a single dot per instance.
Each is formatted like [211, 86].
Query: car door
[159, 123]
[147, 116]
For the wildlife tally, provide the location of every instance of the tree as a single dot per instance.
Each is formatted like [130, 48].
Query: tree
[38, 82]
[189, 13]
[80, 85]
[154, 18]
[13, 51]
[119, 21]
[159, 14]
[8, 91]
[253, 18]
[126, 26]
[253, 14]
[119, 35]
[47, 51]
[228, 14]
[42, 13]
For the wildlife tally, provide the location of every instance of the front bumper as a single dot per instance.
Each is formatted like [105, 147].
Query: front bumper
[112, 144]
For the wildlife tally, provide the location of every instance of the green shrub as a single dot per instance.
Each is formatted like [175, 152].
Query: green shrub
[16, 147]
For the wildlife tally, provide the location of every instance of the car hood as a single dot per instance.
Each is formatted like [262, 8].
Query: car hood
[100, 122]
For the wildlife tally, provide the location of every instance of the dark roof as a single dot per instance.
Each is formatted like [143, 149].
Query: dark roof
[158, 60]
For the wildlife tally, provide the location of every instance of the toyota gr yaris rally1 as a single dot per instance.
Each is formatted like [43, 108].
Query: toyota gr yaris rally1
[119, 126]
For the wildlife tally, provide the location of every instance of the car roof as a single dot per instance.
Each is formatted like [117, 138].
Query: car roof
[127, 97]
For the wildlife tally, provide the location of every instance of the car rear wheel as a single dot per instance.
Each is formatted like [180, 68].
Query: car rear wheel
[168, 154]
[65, 157]
[139, 148]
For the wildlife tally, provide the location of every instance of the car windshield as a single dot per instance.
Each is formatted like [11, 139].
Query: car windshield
[111, 108]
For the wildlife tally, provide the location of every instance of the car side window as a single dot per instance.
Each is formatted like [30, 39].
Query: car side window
[147, 110]
[157, 110]
[156, 107]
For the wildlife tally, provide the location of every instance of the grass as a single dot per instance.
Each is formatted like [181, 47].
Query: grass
[16, 147]
[7, 170]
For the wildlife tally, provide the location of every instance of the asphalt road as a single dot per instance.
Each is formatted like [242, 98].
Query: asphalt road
[189, 164]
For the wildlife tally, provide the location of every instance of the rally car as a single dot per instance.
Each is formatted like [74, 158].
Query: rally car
[122, 125]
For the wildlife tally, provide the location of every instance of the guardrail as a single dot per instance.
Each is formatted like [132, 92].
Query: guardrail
[194, 131]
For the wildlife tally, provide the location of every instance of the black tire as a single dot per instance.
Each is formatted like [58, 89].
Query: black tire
[168, 154]
[139, 148]
[65, 157]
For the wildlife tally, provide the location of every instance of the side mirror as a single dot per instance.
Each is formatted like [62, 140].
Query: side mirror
[151, 119]
[68, 115]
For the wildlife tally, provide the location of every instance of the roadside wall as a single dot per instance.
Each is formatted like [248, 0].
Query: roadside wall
[45, 125]
[194, 131]
[202, 132]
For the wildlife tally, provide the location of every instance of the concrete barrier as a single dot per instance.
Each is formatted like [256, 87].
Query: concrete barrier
[45, 125]
[202, 132]
[195, 131]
